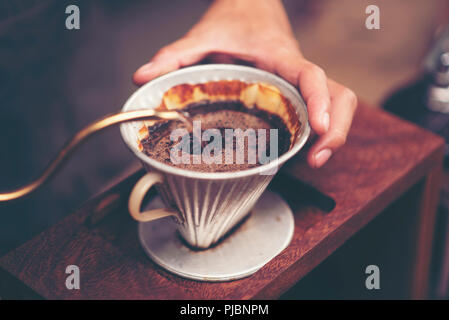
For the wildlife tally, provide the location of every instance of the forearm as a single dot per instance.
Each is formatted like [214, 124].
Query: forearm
[251, 11]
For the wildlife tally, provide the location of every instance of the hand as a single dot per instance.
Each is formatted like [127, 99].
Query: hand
[259, 33]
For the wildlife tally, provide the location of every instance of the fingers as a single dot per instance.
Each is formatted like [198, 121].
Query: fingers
[330, 105]
[179, 54]
[344, 103]
[311, 81]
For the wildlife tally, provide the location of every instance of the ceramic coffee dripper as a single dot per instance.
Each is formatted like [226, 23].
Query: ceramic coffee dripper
[206, 205]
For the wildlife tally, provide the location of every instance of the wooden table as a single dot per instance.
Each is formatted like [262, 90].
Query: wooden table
[382, 159]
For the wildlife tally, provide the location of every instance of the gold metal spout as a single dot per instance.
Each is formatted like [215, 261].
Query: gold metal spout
[81, 136]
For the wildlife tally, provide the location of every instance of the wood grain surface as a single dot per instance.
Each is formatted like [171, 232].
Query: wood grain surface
[383, 157]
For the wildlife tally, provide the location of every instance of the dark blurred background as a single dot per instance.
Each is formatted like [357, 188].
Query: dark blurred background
[53, 81]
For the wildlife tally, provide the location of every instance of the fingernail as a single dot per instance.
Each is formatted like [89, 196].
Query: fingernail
[322, 156]
[146, 68]
[325, 120]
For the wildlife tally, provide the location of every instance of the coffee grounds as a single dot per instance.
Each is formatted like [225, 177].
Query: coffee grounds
[220, 115]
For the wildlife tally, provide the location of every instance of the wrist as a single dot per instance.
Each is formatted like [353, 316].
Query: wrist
[249, 6]
[265, 12]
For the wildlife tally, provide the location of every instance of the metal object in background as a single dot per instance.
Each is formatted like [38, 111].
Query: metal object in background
[426, 103]
[426, 100]
[438, 94]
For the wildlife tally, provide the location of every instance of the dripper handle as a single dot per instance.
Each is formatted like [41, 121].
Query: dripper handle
[137, 195]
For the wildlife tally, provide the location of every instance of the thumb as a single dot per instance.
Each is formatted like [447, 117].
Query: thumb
[172, 57]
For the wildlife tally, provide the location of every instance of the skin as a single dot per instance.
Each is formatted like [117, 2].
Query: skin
[259, 33]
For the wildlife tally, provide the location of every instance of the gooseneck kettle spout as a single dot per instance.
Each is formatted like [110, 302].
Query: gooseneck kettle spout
[81, 136]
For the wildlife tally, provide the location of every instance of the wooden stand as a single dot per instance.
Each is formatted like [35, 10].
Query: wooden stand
[383, 158]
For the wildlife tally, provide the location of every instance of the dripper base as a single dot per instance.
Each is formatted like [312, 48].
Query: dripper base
[261, 237]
